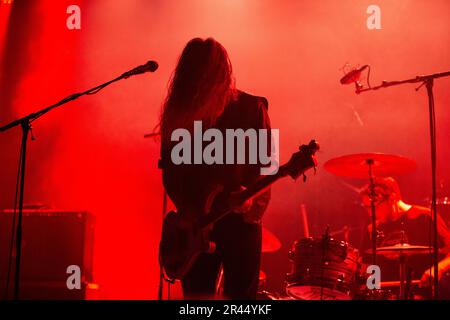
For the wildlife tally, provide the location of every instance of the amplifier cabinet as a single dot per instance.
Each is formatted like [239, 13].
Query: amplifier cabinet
[51, 241]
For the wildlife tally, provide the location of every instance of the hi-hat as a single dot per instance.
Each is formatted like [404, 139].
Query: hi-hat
[402, 249]
[357, 165]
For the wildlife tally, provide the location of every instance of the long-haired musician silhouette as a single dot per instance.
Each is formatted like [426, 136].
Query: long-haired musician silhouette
[202, 88]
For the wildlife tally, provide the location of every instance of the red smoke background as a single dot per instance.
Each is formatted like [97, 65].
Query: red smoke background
[91, 155]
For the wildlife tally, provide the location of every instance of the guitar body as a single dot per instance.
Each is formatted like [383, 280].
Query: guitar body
[185, 235]
[181, 243]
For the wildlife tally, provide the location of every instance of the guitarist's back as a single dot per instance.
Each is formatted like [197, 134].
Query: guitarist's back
[189, 185]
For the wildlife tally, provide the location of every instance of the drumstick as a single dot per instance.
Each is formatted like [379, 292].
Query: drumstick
[304, 219]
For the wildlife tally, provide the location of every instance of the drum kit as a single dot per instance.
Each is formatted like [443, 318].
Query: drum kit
[329, 269]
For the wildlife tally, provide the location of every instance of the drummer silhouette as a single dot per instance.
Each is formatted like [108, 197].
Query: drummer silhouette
[398, 223]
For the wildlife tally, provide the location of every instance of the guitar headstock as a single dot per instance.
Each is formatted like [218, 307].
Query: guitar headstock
[302, 160]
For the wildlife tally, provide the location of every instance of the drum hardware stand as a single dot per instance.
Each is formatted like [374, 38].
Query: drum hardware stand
[402, 263]
[325, 241]
[25, 124]
[426, 80]
[372, 196]
[409, 275]
[405, 278]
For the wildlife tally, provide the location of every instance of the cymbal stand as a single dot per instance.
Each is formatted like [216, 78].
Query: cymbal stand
[405, 277]
[372, 196]
[402, 263]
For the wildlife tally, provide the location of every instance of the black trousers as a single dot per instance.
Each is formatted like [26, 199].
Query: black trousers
[238, 249]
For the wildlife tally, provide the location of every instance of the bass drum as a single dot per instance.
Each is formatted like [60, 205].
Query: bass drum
[322, 269]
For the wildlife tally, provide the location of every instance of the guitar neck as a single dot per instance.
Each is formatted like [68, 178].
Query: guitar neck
[298, 163]
[261, 185]
[253, 190]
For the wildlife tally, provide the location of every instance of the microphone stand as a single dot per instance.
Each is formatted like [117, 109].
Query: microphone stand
[25, 124]
[426, 80]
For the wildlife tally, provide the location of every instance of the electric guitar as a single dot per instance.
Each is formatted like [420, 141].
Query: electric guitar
[184, 238]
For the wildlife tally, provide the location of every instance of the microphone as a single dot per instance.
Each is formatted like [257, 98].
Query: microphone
[150, 66]
[353, 76]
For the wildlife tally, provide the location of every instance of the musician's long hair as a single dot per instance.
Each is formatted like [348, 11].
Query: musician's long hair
[200, 88]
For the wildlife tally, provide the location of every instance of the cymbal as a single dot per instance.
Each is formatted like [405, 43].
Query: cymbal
[356, 165]
[270, 242]
[402, 249]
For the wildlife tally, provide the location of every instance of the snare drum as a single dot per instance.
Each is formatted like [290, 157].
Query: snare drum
[322, 269]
